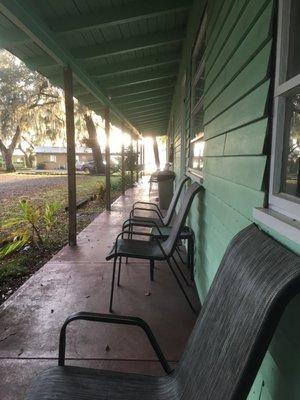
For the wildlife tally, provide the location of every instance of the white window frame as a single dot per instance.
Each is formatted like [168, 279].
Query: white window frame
[283, 213]
[282, 202]
[52, 158]
[196, 71]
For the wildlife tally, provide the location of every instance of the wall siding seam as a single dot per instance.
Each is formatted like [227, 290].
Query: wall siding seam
[225, 38]
[236, 128]
[237, 182]
[256, 114]
[221, 26]
[264, 6]
[258, 34]
[235, 186]
[233, 78]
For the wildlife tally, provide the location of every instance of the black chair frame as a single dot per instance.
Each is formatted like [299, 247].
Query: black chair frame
[111, 319]
[165, 257]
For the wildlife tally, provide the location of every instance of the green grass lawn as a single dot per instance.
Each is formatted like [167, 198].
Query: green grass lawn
[16, 268]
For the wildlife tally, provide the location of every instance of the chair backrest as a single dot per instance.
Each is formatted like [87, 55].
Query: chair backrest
[172, 207]
[255, 281]
[170, 244]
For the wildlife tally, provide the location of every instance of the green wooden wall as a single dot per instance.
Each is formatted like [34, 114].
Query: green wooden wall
[238, 84]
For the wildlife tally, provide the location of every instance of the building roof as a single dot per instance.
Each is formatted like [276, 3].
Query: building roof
[124, 54]
[59, 150]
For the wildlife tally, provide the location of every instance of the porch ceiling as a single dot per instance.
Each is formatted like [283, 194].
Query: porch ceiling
[124, 53]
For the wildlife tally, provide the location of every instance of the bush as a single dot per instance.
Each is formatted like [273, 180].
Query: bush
[41, 166]
[25, 227]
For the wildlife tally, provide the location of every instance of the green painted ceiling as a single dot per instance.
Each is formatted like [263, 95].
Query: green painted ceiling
[124, 53]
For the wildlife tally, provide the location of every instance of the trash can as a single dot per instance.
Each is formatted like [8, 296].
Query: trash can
[165, 181]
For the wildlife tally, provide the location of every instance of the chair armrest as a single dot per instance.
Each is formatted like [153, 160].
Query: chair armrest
[145, 209]
[121, 234]
[149, 204]
[111, 319]
[146, 224]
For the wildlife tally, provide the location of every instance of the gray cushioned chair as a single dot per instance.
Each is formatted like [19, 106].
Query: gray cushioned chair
[255, 281]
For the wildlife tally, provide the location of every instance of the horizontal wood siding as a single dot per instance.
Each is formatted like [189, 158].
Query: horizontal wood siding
[239, 40]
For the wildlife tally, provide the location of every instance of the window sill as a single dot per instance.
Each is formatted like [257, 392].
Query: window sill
[195, 175]
[285, 226]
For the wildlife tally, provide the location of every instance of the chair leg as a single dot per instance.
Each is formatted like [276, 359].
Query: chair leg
[129, 237]
[119, 270]
[180, 285]
[112, 285]
[152, 270]
[180, 271]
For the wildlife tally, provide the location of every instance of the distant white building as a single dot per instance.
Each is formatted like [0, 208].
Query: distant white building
[47, 157]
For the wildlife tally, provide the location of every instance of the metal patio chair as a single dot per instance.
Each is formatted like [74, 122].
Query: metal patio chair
[160, 220]
[155, 249]
[255, 281]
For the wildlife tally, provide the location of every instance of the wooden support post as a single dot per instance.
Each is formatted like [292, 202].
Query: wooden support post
[131, 167]
[143, 159]
[71, 158]
[107, 160]
[138, 161]
[156, 153]
[123, 178]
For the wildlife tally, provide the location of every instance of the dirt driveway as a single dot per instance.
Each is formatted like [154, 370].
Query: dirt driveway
[14, 185]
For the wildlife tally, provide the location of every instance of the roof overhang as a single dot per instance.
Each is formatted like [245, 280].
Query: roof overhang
[134, 75]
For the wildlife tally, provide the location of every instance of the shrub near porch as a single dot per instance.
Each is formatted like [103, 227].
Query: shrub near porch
[17, 267]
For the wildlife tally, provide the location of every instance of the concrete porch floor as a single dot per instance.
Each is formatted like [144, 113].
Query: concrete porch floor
[79, 280]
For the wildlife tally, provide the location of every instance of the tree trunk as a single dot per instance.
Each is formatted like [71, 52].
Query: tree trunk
[28, 154]
[7, 158]
[156, 153]
[27, 157]
[7, 152]
[93, 143]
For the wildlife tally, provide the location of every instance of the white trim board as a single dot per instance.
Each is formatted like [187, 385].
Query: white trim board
[285, 226]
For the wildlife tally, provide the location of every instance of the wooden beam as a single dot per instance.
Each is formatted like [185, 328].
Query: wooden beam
[138, 159]
[128, 45]
[165, 72]
[156, 153]
[156, 125]
[143, 158]
[142, 98]
[131, 171]
[71, 158]
[149, 111]
[9, 37]
[150, 118]
[146, 105]
[133, 65]
[107, 159]
[149, 114]
[116, 47]
[120, 68]
[144, 87]
[123, 172]
[111, 16]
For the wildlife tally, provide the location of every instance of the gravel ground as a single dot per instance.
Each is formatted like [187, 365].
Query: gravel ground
[13, 185]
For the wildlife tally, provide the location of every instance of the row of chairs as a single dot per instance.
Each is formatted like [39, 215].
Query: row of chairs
[161, 246]
[255, 281]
